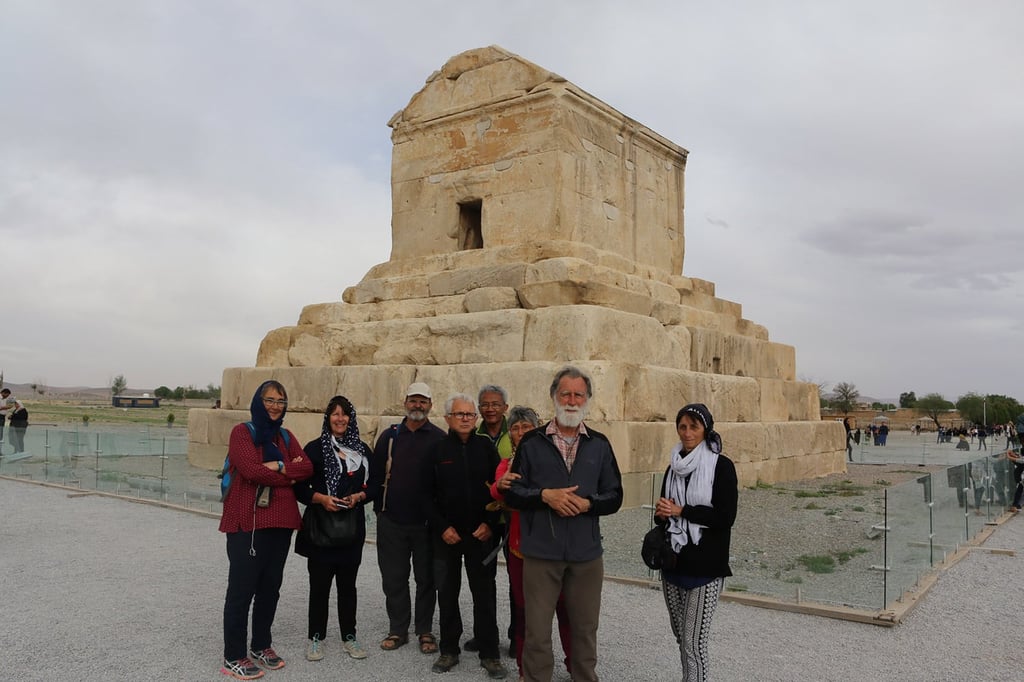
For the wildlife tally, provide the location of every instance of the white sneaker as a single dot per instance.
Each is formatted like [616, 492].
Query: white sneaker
[315, 649]
[353, 648]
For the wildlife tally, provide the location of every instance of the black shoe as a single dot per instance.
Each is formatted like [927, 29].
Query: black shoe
[444, 663]
[470, 645]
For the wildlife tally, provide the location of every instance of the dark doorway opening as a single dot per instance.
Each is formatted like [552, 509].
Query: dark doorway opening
[471, 234]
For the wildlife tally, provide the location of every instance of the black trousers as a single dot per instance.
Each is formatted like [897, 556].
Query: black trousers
[448, 562]
[321, 574]
[397, 544]
[256, 567]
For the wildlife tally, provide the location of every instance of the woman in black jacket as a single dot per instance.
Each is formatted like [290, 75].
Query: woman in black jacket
[341, 463]
[698, 505]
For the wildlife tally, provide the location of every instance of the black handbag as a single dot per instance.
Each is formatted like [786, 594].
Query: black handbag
[331, 529]
[656, 549]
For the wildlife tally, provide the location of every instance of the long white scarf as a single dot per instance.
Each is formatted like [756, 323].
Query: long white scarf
[700, 462]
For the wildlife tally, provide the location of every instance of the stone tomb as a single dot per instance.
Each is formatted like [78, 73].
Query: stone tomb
[532, 226]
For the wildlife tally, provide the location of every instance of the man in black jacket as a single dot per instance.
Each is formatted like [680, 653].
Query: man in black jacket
[399, 469]
[464, 530]
[568, 478]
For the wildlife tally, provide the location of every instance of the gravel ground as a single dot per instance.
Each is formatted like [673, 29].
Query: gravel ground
[103, 589]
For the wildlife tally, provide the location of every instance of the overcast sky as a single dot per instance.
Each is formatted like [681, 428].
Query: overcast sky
[178, 178]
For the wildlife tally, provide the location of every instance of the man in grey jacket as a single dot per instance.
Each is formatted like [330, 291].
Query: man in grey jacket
[568, 477]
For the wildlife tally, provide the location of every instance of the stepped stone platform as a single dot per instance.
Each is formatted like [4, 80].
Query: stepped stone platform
[535, 226]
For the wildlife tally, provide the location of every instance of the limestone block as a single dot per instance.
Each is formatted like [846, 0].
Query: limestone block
[662, 293]
[641, 447]
[345, 313]
[704, 319]
[788, 401]
[579, 270]
[371, 291]
[754, 331]
[199, 425]
[669, 314]
[491, 298]
[722, 353]
[569, 333]
[655, 394]
[565, 293]
[273, 351]
[461, 281]
[743, 442]
[239, 383]
[681, 335]
[472, 79]
[311, 346]
[735, 398]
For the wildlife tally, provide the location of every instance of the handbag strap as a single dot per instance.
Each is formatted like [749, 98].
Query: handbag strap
[387, 470]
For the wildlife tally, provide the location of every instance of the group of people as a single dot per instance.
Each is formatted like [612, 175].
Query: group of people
[448, 500]
[14, 416]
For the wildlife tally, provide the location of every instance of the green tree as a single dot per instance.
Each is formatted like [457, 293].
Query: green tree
[971, 407]
[844, 397]
[212, 391]
[118, 385]
[933, 406]
[988, 409]
[1003, 409]
[163, 392]
[908, 399]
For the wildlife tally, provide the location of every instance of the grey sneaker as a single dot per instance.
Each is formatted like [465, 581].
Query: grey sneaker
[445, 663]
[267, 658]
[315, 649]
[353, 648]
[241, 669]
[495, 669]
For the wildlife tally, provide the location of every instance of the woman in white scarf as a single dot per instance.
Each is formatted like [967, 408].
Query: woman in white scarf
[698, 509]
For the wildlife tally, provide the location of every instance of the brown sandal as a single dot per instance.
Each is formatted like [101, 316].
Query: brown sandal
[392, 642]
[428, 644]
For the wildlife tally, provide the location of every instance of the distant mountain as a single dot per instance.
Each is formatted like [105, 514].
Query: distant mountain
[26, 392]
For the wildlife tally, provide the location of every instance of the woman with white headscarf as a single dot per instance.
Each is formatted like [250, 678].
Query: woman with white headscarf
[698, 506]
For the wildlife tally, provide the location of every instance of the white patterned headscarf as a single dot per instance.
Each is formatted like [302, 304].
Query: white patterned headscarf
[697, 465]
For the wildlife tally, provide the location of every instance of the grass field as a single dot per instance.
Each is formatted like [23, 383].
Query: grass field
[65, 412]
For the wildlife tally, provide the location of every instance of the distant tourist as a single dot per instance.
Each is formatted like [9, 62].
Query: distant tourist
[699, 496]
[17, 416]
[848, 424]
[260, 513]
[341, 463]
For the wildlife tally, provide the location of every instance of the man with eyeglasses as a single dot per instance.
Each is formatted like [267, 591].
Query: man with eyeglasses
[493, 400]
[568, 478]
[465, 531]
[400, 469]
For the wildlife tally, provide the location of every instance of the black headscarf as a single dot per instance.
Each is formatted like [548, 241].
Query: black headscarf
[701, 413]
[265, 429]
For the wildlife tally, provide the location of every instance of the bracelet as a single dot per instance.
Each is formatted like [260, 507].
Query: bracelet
[280, 466]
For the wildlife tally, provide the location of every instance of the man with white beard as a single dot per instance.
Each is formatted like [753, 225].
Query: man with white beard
[568, 477]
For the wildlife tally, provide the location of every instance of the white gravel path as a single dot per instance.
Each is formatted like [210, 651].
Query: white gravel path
[103, 589]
